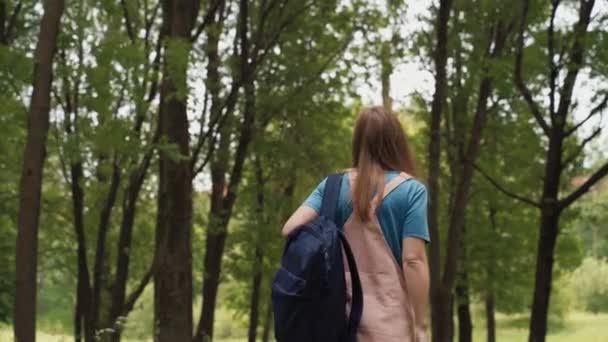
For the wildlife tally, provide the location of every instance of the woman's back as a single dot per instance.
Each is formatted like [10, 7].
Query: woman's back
[402, 212]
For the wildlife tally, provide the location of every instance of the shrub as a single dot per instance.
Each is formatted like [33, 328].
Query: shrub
[590, 283]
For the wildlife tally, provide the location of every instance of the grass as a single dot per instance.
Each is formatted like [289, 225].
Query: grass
[583, 327]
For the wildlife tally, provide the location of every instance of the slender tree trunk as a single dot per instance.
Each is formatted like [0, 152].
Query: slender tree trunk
[549, 228]
[490, 317]
[440, 60]
[83, 283]
[100, 265]
[489, 299]
[31, 175]
[117, 307]
[258, 256]
[224, 194]
[501, 31]
[267, 322]
[254, 308]
[544, 275]
[77, 320]
[465, 323]
[386, 72]
[173, 258]
[219, 165]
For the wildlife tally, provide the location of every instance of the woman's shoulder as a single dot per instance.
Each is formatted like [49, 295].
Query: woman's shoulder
[411, 190]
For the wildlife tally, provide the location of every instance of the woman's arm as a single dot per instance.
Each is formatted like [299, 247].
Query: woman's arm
[416, 272]
[302, 215]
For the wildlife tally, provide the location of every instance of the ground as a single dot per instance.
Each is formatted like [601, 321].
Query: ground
[583, 327]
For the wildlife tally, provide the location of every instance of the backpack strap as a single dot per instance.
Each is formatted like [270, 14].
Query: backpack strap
[331, 195]
[394, 183]
[356, 309]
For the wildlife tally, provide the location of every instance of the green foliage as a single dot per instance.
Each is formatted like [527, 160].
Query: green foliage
[590, 223]
[590, 283]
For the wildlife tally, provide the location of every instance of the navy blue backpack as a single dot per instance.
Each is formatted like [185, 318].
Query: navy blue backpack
[309, 290]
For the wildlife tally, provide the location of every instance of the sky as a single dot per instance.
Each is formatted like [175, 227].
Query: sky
[411, 76]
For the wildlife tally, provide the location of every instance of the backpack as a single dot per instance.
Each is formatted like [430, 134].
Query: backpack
[309, 295]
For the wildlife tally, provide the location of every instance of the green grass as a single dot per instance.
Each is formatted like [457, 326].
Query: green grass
[583, 327]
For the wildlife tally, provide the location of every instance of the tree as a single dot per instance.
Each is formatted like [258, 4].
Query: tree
[104, 156]
[567, 58]
[31, 177]
[173, 253]
[487, 47]
[434, 154]
[259, 32]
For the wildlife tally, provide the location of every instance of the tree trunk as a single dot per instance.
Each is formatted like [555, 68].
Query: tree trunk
[386, 72]
[551, 207]
[489, 299]
[100, 266]
[501, 32]
[258, 257]
[255, 295]
[117, 307]
[440, 60]
[77, 320]
[267, 323]
[173, 257]
[83, 283]
[544, 275]
[465, 323]
[490, 317]
[31, 174]
[223, 194]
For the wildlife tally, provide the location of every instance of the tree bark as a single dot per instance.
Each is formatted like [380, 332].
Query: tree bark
[551, 207]
[489, 299]
[219, 165]
[465, 323]
[123, 255]
[173, 257]
[386, 72]
[490, 317]
[254, 307]
[267, 322]
[83, 283]
[439, 96]
[31, 174]
[100, 265]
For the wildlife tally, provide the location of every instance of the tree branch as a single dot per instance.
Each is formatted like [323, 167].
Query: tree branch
[598, 175]
[12, 22]
[597, 109]
[575, 60]
[581, 146]
[553, 69]
[128, 24]
[134, 296]
[214, 6]
[504, 190]
[519, 83]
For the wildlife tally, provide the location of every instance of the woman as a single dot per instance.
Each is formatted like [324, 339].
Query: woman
[383, 212]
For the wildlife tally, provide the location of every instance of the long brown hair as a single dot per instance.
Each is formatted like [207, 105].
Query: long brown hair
[379, 144]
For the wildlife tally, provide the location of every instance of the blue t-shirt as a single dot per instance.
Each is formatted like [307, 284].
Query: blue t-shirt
[402, 213]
